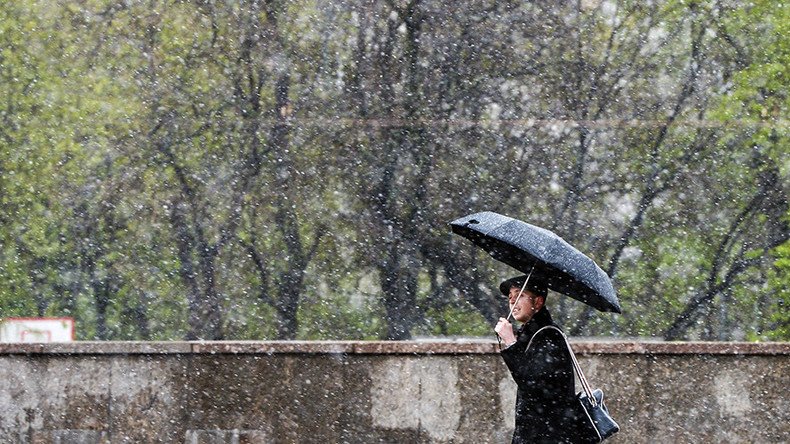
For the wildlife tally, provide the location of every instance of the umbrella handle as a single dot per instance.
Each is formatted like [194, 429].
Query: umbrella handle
[520, 292]
[498, 338]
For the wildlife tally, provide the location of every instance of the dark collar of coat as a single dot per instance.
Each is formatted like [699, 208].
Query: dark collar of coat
[539, 320]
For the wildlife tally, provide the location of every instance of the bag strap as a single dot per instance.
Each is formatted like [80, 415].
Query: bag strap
[576, 366]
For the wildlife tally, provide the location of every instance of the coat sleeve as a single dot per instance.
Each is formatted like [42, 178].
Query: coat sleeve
[545, 367]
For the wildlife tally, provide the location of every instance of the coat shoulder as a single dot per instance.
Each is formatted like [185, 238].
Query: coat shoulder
[549, 333]
[548, 340]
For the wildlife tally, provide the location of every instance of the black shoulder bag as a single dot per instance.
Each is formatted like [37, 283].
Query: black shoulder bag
[593, 411]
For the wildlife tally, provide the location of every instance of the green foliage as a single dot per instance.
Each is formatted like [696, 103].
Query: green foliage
[779, 284]
[760, 89]
[169, 166]
[454, 321]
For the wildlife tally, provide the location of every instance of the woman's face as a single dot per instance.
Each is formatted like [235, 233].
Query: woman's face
[526, 306]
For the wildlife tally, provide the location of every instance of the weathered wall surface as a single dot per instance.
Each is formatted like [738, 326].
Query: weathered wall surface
[412, 392]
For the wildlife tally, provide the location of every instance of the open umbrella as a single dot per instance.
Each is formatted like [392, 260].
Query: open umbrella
[524, 246]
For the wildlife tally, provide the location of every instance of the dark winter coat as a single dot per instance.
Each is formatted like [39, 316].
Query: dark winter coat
[546, 405]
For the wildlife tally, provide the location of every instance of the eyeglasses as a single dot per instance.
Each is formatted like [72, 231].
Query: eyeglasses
[515, 294]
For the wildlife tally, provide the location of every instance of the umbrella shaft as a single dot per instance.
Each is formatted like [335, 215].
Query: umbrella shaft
[520, 293]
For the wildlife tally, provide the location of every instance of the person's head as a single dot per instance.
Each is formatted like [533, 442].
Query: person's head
[532, 299]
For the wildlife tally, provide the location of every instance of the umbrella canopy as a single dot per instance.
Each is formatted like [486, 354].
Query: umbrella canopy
[522, 246]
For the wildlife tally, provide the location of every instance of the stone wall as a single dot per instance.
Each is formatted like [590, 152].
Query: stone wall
[365, 392]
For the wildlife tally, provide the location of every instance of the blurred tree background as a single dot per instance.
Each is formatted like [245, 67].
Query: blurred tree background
[269, 169]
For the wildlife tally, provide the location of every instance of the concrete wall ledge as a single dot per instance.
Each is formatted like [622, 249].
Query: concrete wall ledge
[424, 392]
[449, 347]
